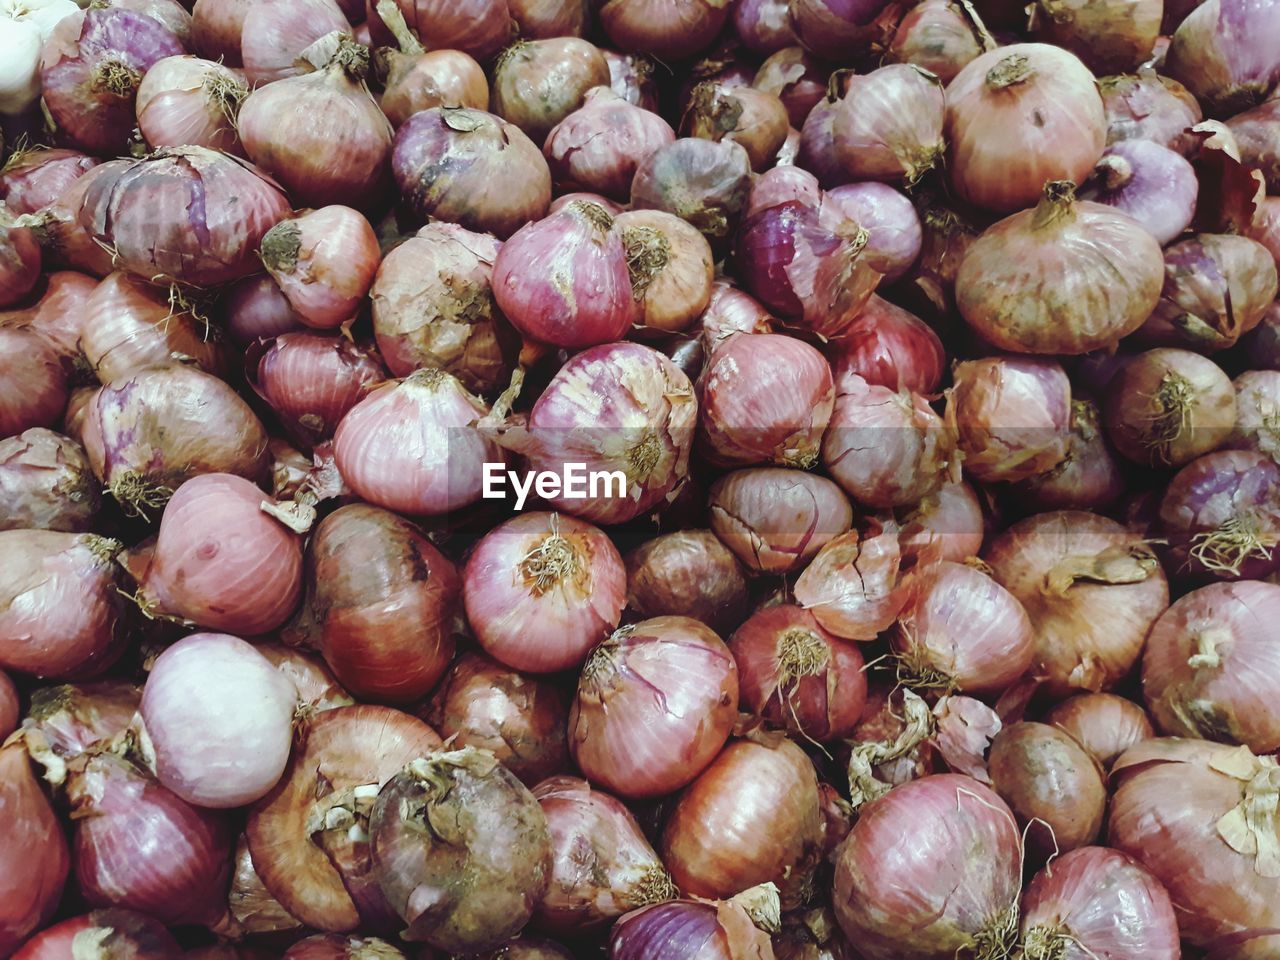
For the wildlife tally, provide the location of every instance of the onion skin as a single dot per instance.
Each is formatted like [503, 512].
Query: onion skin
[753, 118]
[118, 933]
[324, 262]
[940, 36]
[537, 83]
[379, 606]
[636, 745]
[521, 720]
[1101, 901]
[948, 896]
[460, 165]
[818, 145]
[951, 525]
[275, 34]
[851, 587]
[1090, 478]
[674, 268]
[795, 78]
[751, 817]
[1051, 783]
[10, 707]
[318, 689]
[186, 101]
[797, 676]
[774, 519]
[139, 208]
[31, 181]
[67, 243]
[1153, 184]
[19, 264]
[598, 147]
[687, 930]
[704, 182]
[33, 382]
[888, 125]
[477, 27]
[1148, 106]
[437, 78]
[542, 589]
[1065, 567]
[763, 26]
[65, 721]
[46, 483]
[895, 234]
[662, 28]
[1017, 117]
[833, 29]
[491, 872]
[1224, 51]
[1259, 142]
[687, 573]
[1257, 394]
[255, 309]
[1105, 724]
[781, 184]
[34, 852]
[324, 877]
[631, 78]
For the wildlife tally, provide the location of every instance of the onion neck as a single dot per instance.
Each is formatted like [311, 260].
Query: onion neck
[1058, 205]
[552, 563]
[225, 94]
[116, 78]
[1113, 172]
[596, 216]
[1013, 69]
[648, 252]
[393, 18]
[280, 247]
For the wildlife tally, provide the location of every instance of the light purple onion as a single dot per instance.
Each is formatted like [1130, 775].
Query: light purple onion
[219, 718]
[781, 184]
[1151, 183]
[818, 145]
[257, 309]
[890, 218]
[763, 26]
[1227, 53]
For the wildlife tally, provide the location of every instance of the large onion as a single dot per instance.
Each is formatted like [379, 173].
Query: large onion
[888, 126]
[599, 146]
[668, 29]
[186, 101]
[1148, 106]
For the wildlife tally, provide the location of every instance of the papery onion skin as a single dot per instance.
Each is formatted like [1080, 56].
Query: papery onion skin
[1102, 901]
[437, 78]
[68, 244]
[318, 689]
[1105, 724]
[636, 745]
[1257, 403]
[380, 603]
[140, 210]
[32, 180]
[542, 589]
[324, 262]
[687, 930]
[1017, 117]
[460, 165]
[948, 896]
[1153, 184]
[65, 721]
[34, 852]
[795, 78]
[662, 28]
[890, 219]
[887, 346]
[1167, 407]
[796, 675]
[1148, 106]
[832, 28]
[118, 933]
[1051, 783]
[46, 483]
[521, 720]
[781, 184]
[852, 585]
[940, 36]
[1209, 665]
[687, 573]
[631, 78]
[186, 101]
[602, 865]
[950, 523]
[754, 118]
[672, 268]
[1065, 567]
[274, 34]
[751, 817]
[537, 83]
[704, 182]
[888, 125]
[33, 384]
[488, 875]
[1062, 293]
[1258, 139]
[1224, 51]
[623, 136]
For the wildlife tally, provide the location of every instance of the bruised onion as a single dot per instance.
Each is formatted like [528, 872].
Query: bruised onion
[471, 168]
[118, 933]
[671, 267]
[852, 585]
[34, 852]
[894, 232]
[1153, 184]
[1020, 116]
[31, 180]
[636, 744]
[599, 146]
[750, 117]
[941, 36]
[1089, 478]
[186, 101]
[702, 181]
[1064, 568]
[887, 346]
[687, 573]
[537, 83]
[46, 483]
[1225, 53]
[489, 873]
[33, 382]
[379, 605]
[888, 125]
[662, 28]
[275, 33]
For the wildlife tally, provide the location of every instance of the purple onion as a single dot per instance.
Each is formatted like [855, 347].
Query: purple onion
[818, 145]
[1227, 53]
[685, 930]
[780, 185]
[763, 26]
[890, 219]
[1264, 341]
[256, 309]
[1151, 183]
[836, 29]
[90, 71]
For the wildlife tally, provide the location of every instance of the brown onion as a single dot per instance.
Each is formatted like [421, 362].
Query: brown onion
[671, 267]
[851, 586]
[541, 19]
[46, 483]
[702, 181]
[1109, 37]
[33, 382]
[537, 83]
[666, 29]
[33, 849]
[750, 117]
[1105, 724]
[275, 33]
[688, 573]
[186, 101]
[599, 146]
[941, 36]
[414, 80]
[380, 603]
[250, 903]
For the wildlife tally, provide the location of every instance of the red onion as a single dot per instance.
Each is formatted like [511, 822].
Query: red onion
[818, 146]
[332, 946]
[46, 483]
[702, 181]
[186, 101]
[136, 325]
[631, 78]
[671, 268]
[1151, 183]
[380, 603]
[59, 315]
[117, 933]
[1184, 809]
[634, 743]
[1216, 287]
[61, 613]
[10, 708]
[149, 432]
[33, 382]
[1012, 416]
[599, 146]
[90, 70]
[1265, 227]
[851, 587]
[19, 264]
[796, 675]
[1089, 478]
[1066, 569]
[1221, 516]
[537, 83]
[414, 80]
[1264, 342]
[950, 525]
[324, 262]
[962, 630]
[1040, 98]
[1100, 902]
[780, 185]
[275, 34]
[433, 307]
[602, 865]
[753, 118]
[309, 836]
[471, 168]
[1104, 724]
[78, 412]
[216, 27]
[65, 241]
[1225, 52]
[1257, 403]
[958, 860]
[1167, 407]
[411, 446]
[810, 265]
[774, 519]
[1259, 142]
[540, 19]
[488, 872]
[620, 410]
[941, 36]
[1147, 106]
[222, 561]
[885, 448]
[256, 309]
[32, 849]
[690, 930]
[833, 29]
[1051, 784]
[542, 589]
[521, 720]
[140, 847]
[731, 311]
[478, 27]
[65, 721]
[141, 209]
[774, 788]
[763, 26]
[31, 180]
[795, 78]
[893, 226]
[687, 573]
[887, 346]
[666, 29]
[888, 126]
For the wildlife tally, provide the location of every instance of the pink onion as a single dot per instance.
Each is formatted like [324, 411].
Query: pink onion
[1265, 227]
[120, 933]
[818, 145]
[940, 36]
[542, 589]
[852, 586]
[478, 27]
[1151, 183]
[631, 78]
[599, 146]
[687, 573]
[780, 185]
[324, 262]
[216, 26]
[218, 720]
[688, 930]
[46, 483]
[68, 244]
[666, 29]
[636, 744]
[34, 852]
[33, 382]
[141, 209]
[887, 346]
[318, 689]
[1089, 478]
[186, 101]
[1147, 106]
[888, 126]
[414, 81]
[275, 33]
[19, 264]
[59, 315]
[796, 79]
[1105, 724]
[890, 219]
[1257, 403]
[1225, 53]
[950, 524]
[256, 309]
[702, 181]
[33, 179]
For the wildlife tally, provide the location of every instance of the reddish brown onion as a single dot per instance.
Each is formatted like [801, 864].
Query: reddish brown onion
[1089, 478]
[46, 483]
[951, 525]
[33, 850]
[941, 36]
[754, 118]
[537, 83]
[65, 721]
[1105, 724]
[414, 81]
[852, 586]
[887, 346]
[688, 573]
[33, 382]
[478, 27]
[666, 29]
